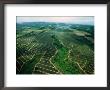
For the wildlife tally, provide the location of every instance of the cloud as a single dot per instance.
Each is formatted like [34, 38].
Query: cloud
[69, 19]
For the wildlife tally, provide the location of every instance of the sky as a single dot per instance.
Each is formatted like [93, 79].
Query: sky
[87, 20]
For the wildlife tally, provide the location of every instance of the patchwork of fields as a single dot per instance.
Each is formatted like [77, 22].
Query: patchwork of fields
[54, 48]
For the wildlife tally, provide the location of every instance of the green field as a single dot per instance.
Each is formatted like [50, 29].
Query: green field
[54, 48]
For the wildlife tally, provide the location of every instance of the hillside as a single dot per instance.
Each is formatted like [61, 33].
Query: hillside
[54, 48]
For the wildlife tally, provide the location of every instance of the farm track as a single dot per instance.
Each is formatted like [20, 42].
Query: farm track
[45, 65]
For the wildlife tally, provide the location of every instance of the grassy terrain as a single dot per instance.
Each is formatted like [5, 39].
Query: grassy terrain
[54, 48]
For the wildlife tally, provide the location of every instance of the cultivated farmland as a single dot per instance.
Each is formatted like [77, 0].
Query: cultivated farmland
[54, 48]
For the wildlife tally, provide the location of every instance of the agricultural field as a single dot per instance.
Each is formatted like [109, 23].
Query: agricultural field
[54, 48]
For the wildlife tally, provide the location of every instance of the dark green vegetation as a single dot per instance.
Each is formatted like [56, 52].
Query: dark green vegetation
[54, 48]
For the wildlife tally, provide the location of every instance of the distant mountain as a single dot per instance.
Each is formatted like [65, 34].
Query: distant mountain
[53, 26]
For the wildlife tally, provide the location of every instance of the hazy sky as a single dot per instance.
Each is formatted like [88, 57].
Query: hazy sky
[75, 20]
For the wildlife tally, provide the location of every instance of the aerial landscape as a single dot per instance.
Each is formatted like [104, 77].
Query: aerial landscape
[54, 45]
